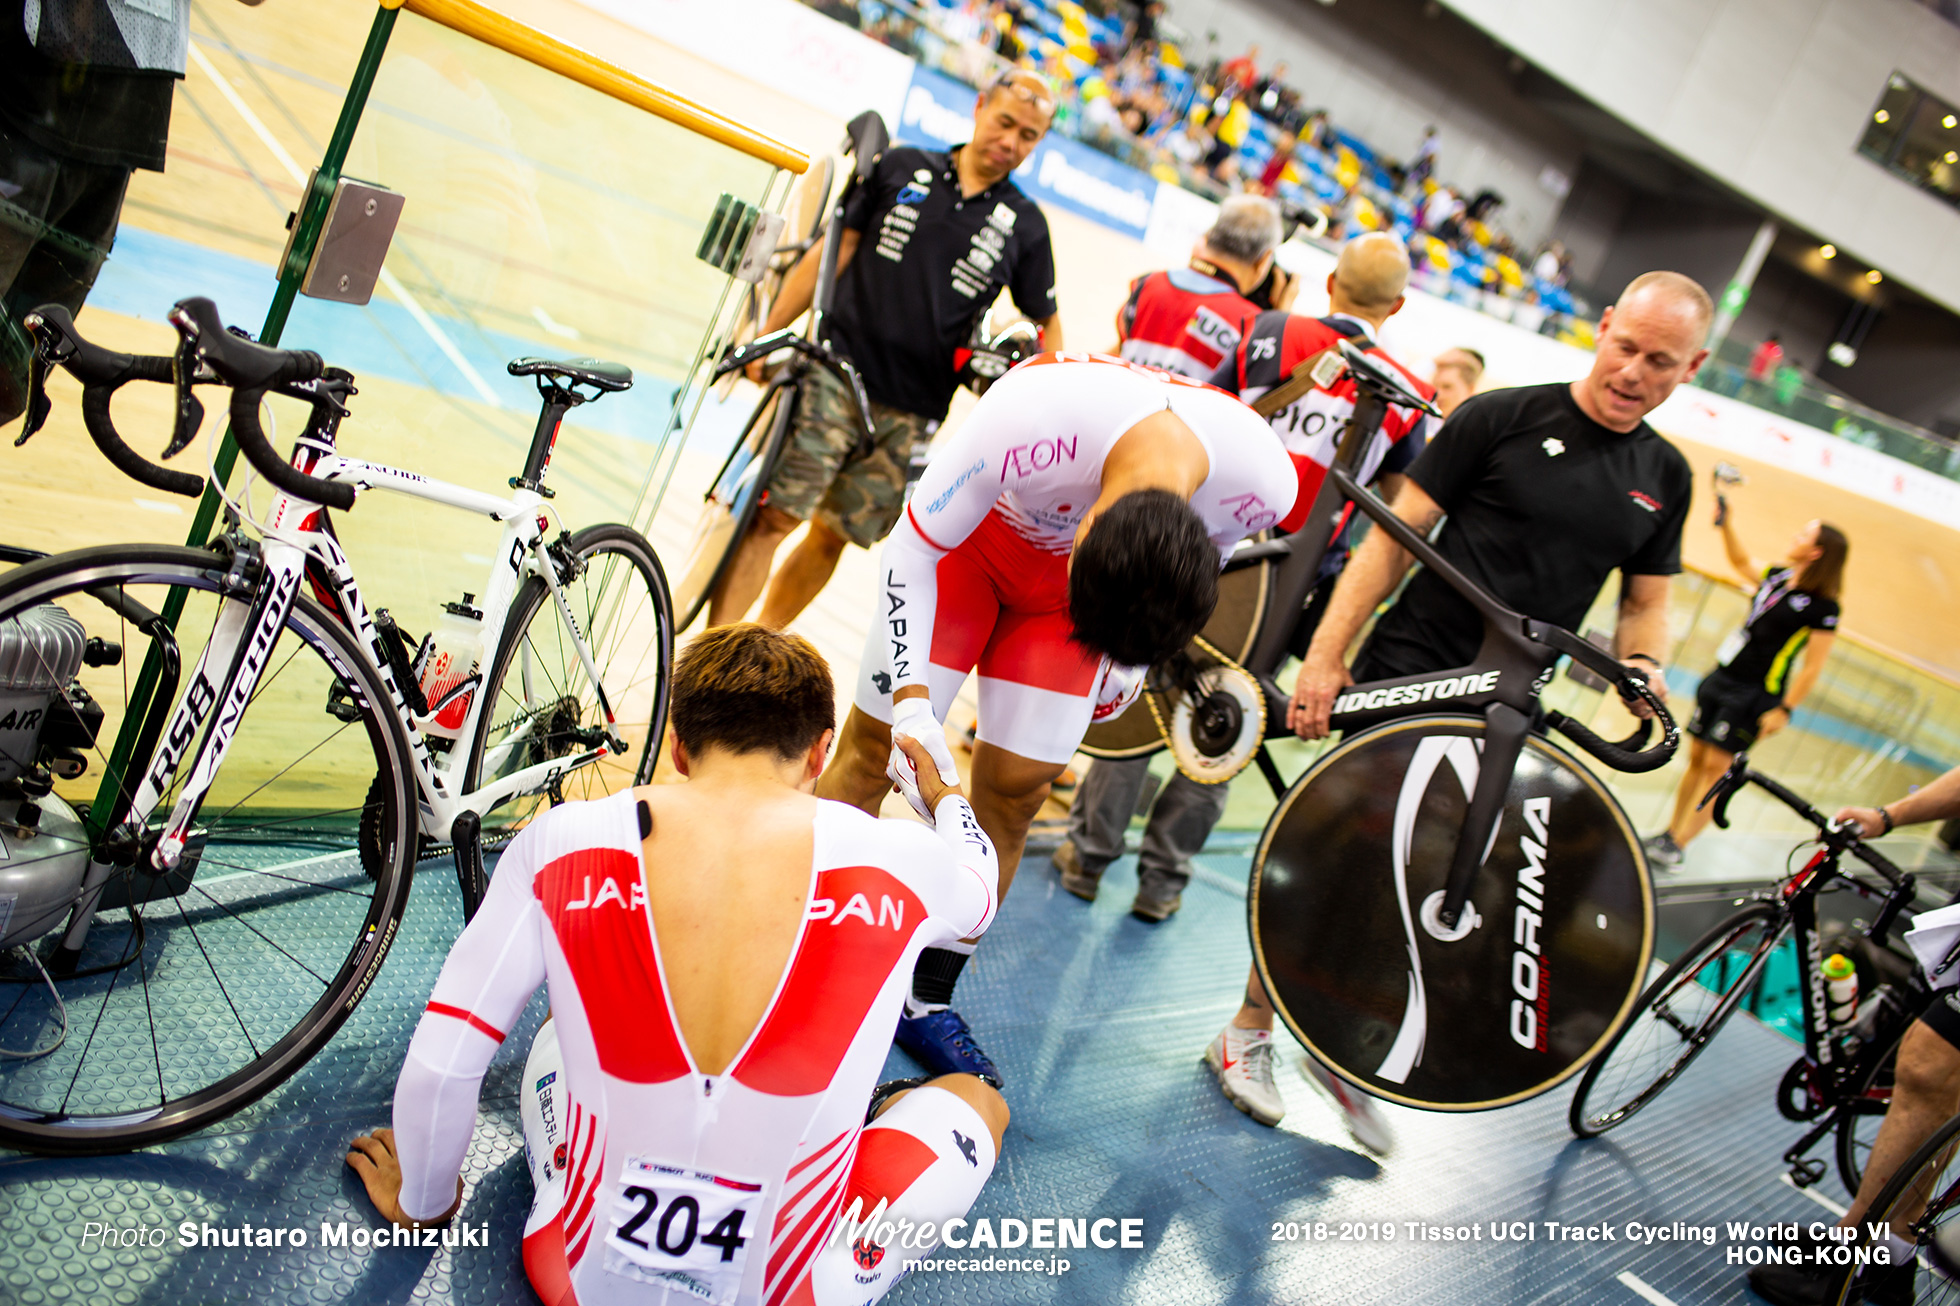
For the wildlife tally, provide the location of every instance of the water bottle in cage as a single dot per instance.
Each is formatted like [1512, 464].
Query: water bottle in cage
[448, 667]
[1841, 988]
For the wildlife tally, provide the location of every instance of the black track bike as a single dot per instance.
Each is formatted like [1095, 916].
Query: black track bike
[1841, 1084]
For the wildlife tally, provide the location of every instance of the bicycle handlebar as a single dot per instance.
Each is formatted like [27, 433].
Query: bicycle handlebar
[1630, 754]
[742, 355]
[252, 369]
[102, 372]
[1843, 837]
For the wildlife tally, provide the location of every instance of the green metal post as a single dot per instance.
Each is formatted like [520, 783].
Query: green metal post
[311, 219]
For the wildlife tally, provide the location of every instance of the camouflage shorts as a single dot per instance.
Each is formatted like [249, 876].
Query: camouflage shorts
[860, 498]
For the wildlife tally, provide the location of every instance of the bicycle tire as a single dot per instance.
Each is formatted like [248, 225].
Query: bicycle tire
[1769, 926]
[731, 504]
[1932, 1174]
[1859, 1117]
[287, 916]
[619, 597]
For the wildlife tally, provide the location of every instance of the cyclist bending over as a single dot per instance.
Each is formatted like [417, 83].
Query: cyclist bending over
[1068, 536]
[725, 961]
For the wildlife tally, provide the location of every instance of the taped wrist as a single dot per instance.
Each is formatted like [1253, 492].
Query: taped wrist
[936, 974]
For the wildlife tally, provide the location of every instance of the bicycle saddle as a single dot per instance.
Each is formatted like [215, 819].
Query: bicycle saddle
[591, 371]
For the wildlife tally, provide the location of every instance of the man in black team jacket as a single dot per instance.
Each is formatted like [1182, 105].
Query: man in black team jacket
[948, 229]
[1548, 490]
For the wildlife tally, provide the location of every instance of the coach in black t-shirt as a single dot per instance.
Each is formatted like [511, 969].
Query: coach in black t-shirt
[1548, 490]
[943, 231]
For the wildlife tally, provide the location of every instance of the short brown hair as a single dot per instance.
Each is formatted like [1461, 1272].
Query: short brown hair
[749, 689]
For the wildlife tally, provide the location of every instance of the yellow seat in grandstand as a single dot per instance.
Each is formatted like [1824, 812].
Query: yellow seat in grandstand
[1347, 167]
[1238, 121]
[1509, 273]
[1366, 216]
[1170, 56]
[1478, 232]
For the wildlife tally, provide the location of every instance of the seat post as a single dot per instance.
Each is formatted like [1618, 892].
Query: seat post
[556, 401]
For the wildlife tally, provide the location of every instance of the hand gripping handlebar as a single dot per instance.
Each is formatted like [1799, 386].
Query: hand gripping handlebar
[1627, 754]
[252, 369]
[102, 372]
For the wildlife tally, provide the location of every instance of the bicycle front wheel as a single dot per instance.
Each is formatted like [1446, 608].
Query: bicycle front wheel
[198, 991]
[1676, 1018]
[541, 705]
[731, 504]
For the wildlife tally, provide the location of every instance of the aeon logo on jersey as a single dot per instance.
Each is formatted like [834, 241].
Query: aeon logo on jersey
[1531, 1008]
[1250, 511]
[858, 907]
[1039, 456]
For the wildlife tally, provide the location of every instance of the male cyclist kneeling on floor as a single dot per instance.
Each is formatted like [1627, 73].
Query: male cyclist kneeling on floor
[726, 960]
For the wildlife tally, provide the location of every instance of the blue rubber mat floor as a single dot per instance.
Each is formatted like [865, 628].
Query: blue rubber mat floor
[1098, 1021]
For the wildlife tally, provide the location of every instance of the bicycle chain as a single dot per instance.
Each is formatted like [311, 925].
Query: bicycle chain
[1163, 727]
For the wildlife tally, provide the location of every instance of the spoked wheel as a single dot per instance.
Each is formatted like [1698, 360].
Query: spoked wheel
[1859, 1119]
[1921, 1203]
[731, 505]
[1676, 1018]
[197, 992]
[541, 705]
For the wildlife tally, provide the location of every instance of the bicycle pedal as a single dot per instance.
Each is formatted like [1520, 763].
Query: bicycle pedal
[1805, 1173]
[340, 704]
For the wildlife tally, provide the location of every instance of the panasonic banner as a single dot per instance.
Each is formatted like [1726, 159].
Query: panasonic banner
[938, 113]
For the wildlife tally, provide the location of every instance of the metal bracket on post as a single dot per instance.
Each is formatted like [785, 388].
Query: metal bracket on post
[740, 238]
[343, 259]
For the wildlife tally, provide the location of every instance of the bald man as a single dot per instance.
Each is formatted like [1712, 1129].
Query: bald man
[1364, 290]
[1548, 490]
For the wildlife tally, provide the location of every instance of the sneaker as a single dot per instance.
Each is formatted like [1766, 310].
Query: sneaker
[1077, 879]
[1663, 854]
[1798, 1284]
[1157, 897]
[1243, 1061]
[1064, 782]
[1364, 1119]
[941, 1042]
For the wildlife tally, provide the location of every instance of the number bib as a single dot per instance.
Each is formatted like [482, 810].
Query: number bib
[1730, 647]
[681, 1228]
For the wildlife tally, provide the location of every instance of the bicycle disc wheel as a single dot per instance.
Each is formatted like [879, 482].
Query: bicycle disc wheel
[1921, 1202]
[1676, 1018]
[541, 704]
[730, 506]
[199, 991]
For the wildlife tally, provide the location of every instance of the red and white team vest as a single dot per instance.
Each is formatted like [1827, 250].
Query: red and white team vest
[1183, 321]
[1310, 427]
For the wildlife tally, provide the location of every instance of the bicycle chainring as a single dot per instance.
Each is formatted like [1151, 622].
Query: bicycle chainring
[1798, 1096]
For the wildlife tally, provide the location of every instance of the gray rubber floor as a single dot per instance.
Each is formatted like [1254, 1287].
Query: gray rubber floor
[1098, 1021]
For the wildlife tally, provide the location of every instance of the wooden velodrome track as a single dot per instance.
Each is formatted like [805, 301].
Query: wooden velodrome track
[537, 208]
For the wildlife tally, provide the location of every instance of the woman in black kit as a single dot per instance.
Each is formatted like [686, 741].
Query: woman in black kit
[1757, 682]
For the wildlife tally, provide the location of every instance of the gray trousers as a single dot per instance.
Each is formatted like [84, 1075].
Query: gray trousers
[1180, 820]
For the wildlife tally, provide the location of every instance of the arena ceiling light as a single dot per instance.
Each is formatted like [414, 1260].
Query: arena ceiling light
[1827, 252]
[1882, 116]
[1948, 122]
[1874, 276]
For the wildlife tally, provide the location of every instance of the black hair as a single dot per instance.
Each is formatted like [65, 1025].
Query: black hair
[1144, 578]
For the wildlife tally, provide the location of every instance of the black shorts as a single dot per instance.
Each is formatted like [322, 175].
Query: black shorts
[1942, 1015]
[1727, 711]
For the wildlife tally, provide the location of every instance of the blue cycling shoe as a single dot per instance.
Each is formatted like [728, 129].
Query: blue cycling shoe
[941, 1042]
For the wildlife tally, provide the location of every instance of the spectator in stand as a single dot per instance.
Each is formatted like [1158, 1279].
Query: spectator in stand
[1437, 208]
[1240, 74]
[1458, 373]
[1424, 164]
[1266, 94]
[1187, 144]
[1268, 183]
[1767, 358]
[1318, 132]
[1551, 265]
[1144, 30]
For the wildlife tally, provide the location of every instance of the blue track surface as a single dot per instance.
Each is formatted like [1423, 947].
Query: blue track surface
[1098, 1021]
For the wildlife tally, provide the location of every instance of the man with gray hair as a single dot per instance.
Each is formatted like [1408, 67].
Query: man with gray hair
[1189, 319]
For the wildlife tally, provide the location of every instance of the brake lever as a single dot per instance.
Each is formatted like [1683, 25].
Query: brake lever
[187, 368]
[51, 347]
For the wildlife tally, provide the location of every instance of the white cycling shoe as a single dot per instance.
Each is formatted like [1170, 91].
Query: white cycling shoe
[1364, 1119]
[1243, 1061]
